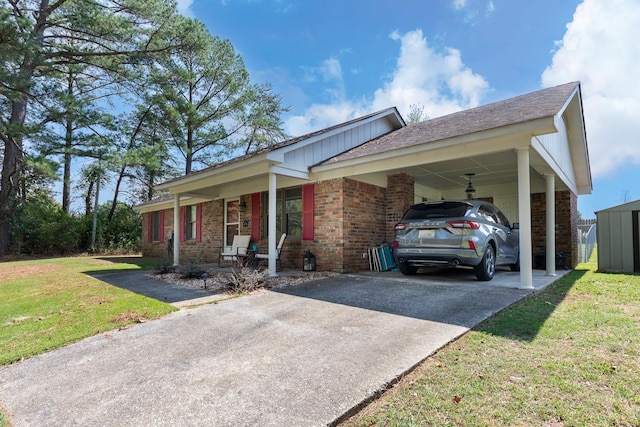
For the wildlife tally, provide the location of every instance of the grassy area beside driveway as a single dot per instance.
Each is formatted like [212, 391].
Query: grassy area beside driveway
[48, 303]
[568, 356]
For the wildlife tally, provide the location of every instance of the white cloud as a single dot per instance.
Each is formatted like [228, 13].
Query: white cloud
[331, 70]
[184, 8]
[439, 81]
[459, 4]
[600, 48]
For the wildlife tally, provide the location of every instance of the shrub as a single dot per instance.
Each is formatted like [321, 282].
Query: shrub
[165, 268]
[191, 271]
[246, 280]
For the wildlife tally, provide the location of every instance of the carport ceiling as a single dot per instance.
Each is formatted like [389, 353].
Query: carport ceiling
[490, 169]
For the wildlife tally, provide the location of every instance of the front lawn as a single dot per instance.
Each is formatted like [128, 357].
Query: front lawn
[568, 356]
[48, 303]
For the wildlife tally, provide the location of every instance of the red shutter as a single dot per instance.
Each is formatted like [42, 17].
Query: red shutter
[150, 227]
[161, 233]
[183, 211]
[199, 222]
[255, 217]
[307, 211]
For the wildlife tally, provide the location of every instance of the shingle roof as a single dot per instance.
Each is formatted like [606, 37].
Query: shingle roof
[281, 145]
[521, 109]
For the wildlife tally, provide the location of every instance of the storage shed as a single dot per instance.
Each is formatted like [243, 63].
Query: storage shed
[618, 235]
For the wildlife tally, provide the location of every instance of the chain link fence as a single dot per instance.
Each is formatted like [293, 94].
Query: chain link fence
[586, 239]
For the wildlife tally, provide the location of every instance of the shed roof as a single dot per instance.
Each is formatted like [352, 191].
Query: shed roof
[625, 207]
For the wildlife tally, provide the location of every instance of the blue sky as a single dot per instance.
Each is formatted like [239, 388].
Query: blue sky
[333, 60]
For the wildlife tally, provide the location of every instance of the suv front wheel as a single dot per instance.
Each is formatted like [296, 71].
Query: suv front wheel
[484, 271]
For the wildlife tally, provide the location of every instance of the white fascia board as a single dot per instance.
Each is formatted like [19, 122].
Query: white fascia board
[572, 109]
[207, 174]
[486, 142]
[224, 176]
[168, 204]
[551, 163]
[278, 155]
[294, 173]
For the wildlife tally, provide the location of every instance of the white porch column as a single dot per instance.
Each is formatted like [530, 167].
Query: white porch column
[551, 224]
[176, 230]
[524, 210]
[272, 225]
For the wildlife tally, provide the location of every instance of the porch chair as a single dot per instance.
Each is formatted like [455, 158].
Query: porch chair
[238, 248]
[265, 257]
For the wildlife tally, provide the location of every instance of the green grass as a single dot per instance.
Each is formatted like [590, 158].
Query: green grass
[48, 303]
[568, 356]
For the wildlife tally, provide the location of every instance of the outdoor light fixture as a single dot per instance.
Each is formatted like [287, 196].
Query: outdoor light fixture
[242, 206]
[471, 192]
[309, 262]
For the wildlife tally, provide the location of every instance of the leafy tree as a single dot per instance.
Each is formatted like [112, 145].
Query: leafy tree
[207, 106]
[74, 120]
[39, 38]
[139, 156]
[40, 226]
[416, 114]
[120, 233]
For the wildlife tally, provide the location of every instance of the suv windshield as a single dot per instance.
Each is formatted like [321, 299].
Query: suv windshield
[437, 210]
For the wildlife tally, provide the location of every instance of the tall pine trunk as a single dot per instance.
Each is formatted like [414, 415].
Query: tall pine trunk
[12, 171]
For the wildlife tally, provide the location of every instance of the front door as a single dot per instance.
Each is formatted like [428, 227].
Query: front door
[231, 220]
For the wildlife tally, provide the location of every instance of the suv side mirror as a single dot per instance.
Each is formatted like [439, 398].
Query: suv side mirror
[515, 226]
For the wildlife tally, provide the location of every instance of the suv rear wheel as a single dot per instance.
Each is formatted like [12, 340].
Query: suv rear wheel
[406, 269]
[484, 271]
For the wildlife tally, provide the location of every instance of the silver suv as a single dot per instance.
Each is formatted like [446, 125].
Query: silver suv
[451, 233]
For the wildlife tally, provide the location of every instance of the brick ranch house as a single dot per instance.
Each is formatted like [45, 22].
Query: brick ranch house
[341, 190]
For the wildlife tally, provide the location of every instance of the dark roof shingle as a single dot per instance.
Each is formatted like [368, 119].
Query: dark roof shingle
[521, 109]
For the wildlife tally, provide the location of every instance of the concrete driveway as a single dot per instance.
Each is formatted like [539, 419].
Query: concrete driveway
[299, 356]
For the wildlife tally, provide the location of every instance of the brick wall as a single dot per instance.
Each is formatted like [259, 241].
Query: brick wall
[566, 225]
[157, 249]
[205, 251]
[351, 216]
[364, 222]
[399, 197]
[329, 225]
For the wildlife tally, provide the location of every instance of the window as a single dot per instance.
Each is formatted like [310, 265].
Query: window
[293, 211]
[232, 220]
[156, 226]
[191, 223]
[288, 212]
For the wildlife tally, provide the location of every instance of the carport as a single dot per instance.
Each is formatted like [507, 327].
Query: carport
[534, 143]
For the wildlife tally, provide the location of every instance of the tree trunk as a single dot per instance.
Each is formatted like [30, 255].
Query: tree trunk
[87, 199]
[66, 179]
[115, 193]
[11, 171]
[150, 191]
[12, 166]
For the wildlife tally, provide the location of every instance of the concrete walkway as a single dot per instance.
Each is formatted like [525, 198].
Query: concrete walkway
[299, 356]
